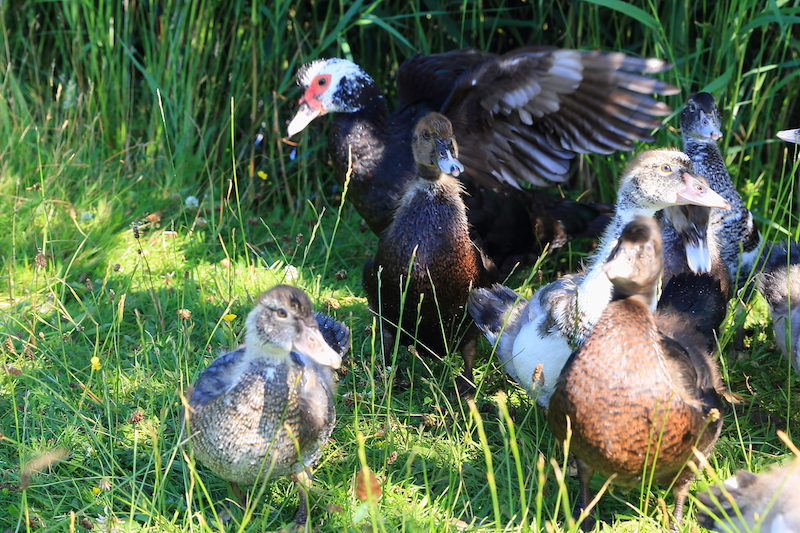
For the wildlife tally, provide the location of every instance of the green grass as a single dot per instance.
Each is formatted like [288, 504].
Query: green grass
[113, 114]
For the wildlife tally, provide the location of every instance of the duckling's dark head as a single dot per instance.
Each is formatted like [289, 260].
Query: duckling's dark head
[283, 321]
[635, 265]
[660, 178]
[435, 148]
[700, 119]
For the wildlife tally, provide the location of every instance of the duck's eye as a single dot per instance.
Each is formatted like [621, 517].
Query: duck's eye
[321, 81]
[281, 312]
[426, 135]
[666, 168]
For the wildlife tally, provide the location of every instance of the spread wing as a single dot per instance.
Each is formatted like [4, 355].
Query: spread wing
[524, 115]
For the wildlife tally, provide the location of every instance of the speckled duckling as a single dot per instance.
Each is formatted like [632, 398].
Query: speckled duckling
[643, 385]
[266, 409]
[738, 238]
[430, 230]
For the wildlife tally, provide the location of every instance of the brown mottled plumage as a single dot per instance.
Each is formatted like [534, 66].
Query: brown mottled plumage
[266, 409]
[642, 386]
[430, 232]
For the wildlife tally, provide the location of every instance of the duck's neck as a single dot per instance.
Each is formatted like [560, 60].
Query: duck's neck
[595, 289]
[708, 162]
[360, 138]
[438, 202]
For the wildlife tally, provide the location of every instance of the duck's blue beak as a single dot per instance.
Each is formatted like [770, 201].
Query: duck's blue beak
[447, 160]
[790, 136]
[708, 129]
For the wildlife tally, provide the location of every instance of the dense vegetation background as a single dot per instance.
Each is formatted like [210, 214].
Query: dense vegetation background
[141, 215]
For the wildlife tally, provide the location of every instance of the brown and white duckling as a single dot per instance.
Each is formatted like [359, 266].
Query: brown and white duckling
[738, 239]
[520, 116]
[770, 499]
[642, 390]
[538, 336]
[426, 263]
[266, 409]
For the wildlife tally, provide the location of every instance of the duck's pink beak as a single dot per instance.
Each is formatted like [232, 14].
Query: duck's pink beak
[698, 193]
[312, 343]
[303, 118]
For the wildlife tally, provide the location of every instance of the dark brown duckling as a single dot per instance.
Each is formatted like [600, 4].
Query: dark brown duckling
[520, 116]
[266, 409]
[642, 391]
[426, 263]
[770, 499]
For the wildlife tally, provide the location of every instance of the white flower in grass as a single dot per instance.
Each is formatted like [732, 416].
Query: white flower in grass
[86, 217]
[290, 273]
[191, 202]
[109, 522]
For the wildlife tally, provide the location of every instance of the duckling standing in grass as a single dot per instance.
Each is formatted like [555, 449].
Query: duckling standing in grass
[426, 263]
[739, 240]
[779, 284]
[536, 338]
[770, 499]
[266, 409]
[642, 391]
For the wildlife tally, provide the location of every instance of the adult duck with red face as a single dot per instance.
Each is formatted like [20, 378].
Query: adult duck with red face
[522, 116]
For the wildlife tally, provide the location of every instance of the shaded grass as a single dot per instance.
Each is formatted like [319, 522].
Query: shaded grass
[124, 110]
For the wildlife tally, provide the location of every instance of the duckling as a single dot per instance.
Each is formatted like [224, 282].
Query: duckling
[538, 338]
[266, 409]
[770, 499]
[739, 240]
[779, 284]
[642, 390]
[520, 116]
[426, 252]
